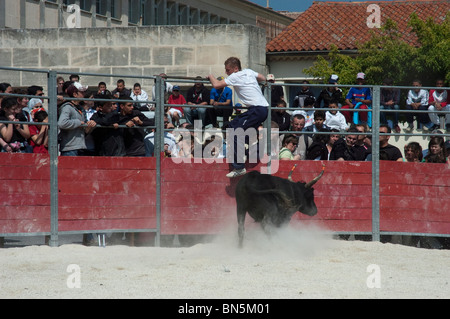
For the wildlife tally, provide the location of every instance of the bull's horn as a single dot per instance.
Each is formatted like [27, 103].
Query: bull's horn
[290, 173]
[315, 180]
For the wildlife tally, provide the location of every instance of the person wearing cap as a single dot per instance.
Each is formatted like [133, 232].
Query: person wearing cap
[176, 98]
[357, 95]
[330, 93]
[30, 106]
[70, 123]
[246, 85]
[80, 87]
[220, 98]
[277, 93]
[198, 94]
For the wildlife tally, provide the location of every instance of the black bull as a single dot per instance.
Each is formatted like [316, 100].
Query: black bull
[272, 200]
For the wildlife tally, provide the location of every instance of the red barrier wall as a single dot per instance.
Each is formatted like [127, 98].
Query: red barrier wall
[120, 193]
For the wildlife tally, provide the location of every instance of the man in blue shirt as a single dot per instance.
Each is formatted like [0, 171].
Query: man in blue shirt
[355, 96]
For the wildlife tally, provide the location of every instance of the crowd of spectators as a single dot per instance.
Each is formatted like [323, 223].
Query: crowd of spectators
[127, 128]
[309, 117]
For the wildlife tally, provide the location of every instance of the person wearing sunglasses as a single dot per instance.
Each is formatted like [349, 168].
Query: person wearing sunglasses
[346, 148]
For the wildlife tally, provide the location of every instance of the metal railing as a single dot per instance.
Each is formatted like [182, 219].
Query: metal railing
[159, 138]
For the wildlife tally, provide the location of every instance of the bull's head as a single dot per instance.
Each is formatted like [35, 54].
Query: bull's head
[316, 179]
[307, 205]
[311, 183]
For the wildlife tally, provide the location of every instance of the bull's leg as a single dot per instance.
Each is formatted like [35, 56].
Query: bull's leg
[266, 225]
[241, 220]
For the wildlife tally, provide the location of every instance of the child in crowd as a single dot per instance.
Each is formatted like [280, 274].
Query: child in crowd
[176, 98]
[39, 133]
[335, 119]
[319, 122]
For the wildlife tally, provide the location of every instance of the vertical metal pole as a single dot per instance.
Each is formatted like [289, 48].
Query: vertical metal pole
[158, 138]
[23, 12]
[268, 126]
[376, 164]
[2, 14]
[42, 14]
[53, 151]
[93, 14]
[108, 13]
[60, 14]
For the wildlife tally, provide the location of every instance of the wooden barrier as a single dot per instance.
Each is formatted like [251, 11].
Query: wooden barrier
[101, 193]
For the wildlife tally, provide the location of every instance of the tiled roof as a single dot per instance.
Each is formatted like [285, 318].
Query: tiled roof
[345, 24]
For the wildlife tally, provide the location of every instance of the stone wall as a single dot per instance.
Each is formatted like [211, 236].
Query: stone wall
[138, 51]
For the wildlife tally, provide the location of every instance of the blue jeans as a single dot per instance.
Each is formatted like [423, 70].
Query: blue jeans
[191, 114]
[383, 115]
[69, 153]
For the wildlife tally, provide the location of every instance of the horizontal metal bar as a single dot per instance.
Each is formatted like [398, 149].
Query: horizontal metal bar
[24, 234]
[414, 234]
[23, 70]
[108, 231]
[108, 75]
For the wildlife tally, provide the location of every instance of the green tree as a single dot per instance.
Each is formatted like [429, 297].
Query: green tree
[386, 54]
[433, 54]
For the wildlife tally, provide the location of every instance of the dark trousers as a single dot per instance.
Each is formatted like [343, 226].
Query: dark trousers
[422, 118]
[253, 118]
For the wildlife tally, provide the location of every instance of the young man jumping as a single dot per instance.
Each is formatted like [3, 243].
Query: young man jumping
[245, 83]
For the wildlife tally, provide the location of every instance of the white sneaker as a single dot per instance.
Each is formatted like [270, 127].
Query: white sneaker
[236, 173]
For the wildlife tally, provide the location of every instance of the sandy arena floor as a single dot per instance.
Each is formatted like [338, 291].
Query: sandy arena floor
[293, 264]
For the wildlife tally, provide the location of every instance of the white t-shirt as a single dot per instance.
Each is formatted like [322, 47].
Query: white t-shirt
[246, 86]
[336, 121]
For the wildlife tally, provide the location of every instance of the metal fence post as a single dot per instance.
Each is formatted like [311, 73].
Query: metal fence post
[159, 141]
[376, 164]
[53, 152]
[268, 126]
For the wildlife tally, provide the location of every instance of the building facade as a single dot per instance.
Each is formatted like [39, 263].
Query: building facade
[42, 14]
